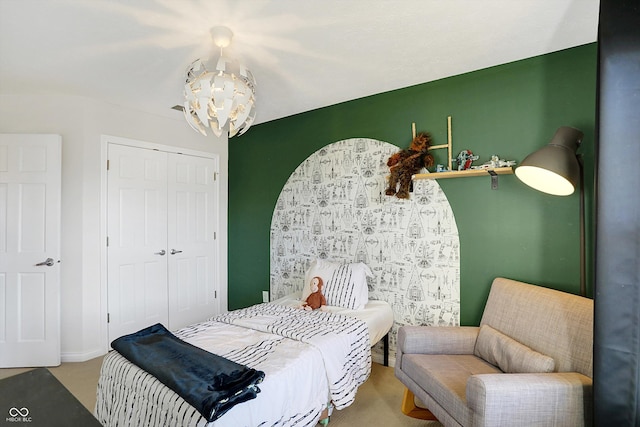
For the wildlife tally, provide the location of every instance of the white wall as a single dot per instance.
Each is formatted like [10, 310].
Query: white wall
[81, 122]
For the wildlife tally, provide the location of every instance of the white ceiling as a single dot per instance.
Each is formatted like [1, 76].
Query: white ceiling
[305, 54]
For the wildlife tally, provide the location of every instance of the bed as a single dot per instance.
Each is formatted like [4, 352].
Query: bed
[313, 362]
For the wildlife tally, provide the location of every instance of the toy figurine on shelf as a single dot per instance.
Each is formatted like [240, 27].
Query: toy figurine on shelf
[495, 162]
[405, 163]
[465, 159]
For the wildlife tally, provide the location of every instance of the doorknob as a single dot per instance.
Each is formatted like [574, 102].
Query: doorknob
[173, 252]
[162, 252]
[48, 262]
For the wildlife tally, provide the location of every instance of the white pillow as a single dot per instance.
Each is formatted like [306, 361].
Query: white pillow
[345, 285]
[321, 268]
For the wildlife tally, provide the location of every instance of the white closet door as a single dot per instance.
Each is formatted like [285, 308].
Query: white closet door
[137, 239]
[192, 253]
[30, 167]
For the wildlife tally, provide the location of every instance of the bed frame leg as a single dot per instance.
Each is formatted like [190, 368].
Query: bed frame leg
[385, 343]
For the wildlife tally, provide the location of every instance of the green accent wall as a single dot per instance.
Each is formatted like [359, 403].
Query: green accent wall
[510, 110]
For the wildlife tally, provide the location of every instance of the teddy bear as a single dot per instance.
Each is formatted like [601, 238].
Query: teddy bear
[315, 299]
[404, 164]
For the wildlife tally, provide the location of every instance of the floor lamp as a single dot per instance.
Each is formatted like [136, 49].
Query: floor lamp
[557, 169]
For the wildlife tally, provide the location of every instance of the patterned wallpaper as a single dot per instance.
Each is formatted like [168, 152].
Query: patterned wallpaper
[333, 207]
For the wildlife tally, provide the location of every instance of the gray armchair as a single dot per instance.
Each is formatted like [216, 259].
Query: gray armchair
[528, 363]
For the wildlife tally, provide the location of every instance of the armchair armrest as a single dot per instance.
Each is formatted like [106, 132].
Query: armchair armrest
[559, 398]
[437, 339]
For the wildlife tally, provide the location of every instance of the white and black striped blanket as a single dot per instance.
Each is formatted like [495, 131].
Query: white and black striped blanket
[309, 359]
[343, 341]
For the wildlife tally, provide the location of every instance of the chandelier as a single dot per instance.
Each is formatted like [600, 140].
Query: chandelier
[219, 95]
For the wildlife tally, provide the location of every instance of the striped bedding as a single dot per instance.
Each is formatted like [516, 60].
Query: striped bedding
[309, 359]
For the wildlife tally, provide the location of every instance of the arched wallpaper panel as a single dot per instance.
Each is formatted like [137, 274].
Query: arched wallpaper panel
[333, 207]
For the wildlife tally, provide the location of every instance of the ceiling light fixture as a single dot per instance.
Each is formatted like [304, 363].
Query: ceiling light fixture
[220, 95]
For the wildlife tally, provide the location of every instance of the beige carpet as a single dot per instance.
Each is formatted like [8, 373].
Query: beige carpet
[377, 402]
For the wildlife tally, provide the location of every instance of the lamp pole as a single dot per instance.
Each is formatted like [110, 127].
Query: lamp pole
[583, 263]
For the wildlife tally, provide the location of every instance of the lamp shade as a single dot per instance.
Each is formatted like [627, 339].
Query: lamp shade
[554, 169]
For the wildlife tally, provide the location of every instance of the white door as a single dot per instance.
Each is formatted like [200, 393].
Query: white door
[192, 222]
[137, 239]
[30, 170]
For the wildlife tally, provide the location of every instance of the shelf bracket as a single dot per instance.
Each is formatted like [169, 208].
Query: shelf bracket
[494, 179]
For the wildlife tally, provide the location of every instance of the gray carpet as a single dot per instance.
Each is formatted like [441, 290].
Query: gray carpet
[37, 398]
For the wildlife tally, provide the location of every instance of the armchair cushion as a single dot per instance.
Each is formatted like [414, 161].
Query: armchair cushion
[445, 376]
[508, 354]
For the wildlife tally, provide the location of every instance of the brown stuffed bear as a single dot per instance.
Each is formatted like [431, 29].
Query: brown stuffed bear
[316, 299]
[404, 164]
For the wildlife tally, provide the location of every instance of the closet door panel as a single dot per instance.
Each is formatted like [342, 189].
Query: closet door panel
[137, 233]
[192, 248]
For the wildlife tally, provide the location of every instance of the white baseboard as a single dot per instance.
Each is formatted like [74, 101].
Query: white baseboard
[81, 357]
[379, 358]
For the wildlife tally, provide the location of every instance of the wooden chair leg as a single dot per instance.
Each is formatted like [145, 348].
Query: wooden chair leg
[410, 409]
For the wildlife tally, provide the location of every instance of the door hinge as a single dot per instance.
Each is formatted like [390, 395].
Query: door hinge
[215, 236]
[107, 241]
[107, 164]
[215, 294]
[108, 318]
[215, 176]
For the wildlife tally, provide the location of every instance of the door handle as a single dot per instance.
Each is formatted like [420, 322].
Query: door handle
[48, 262]
[173, 252]
[162, 252]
